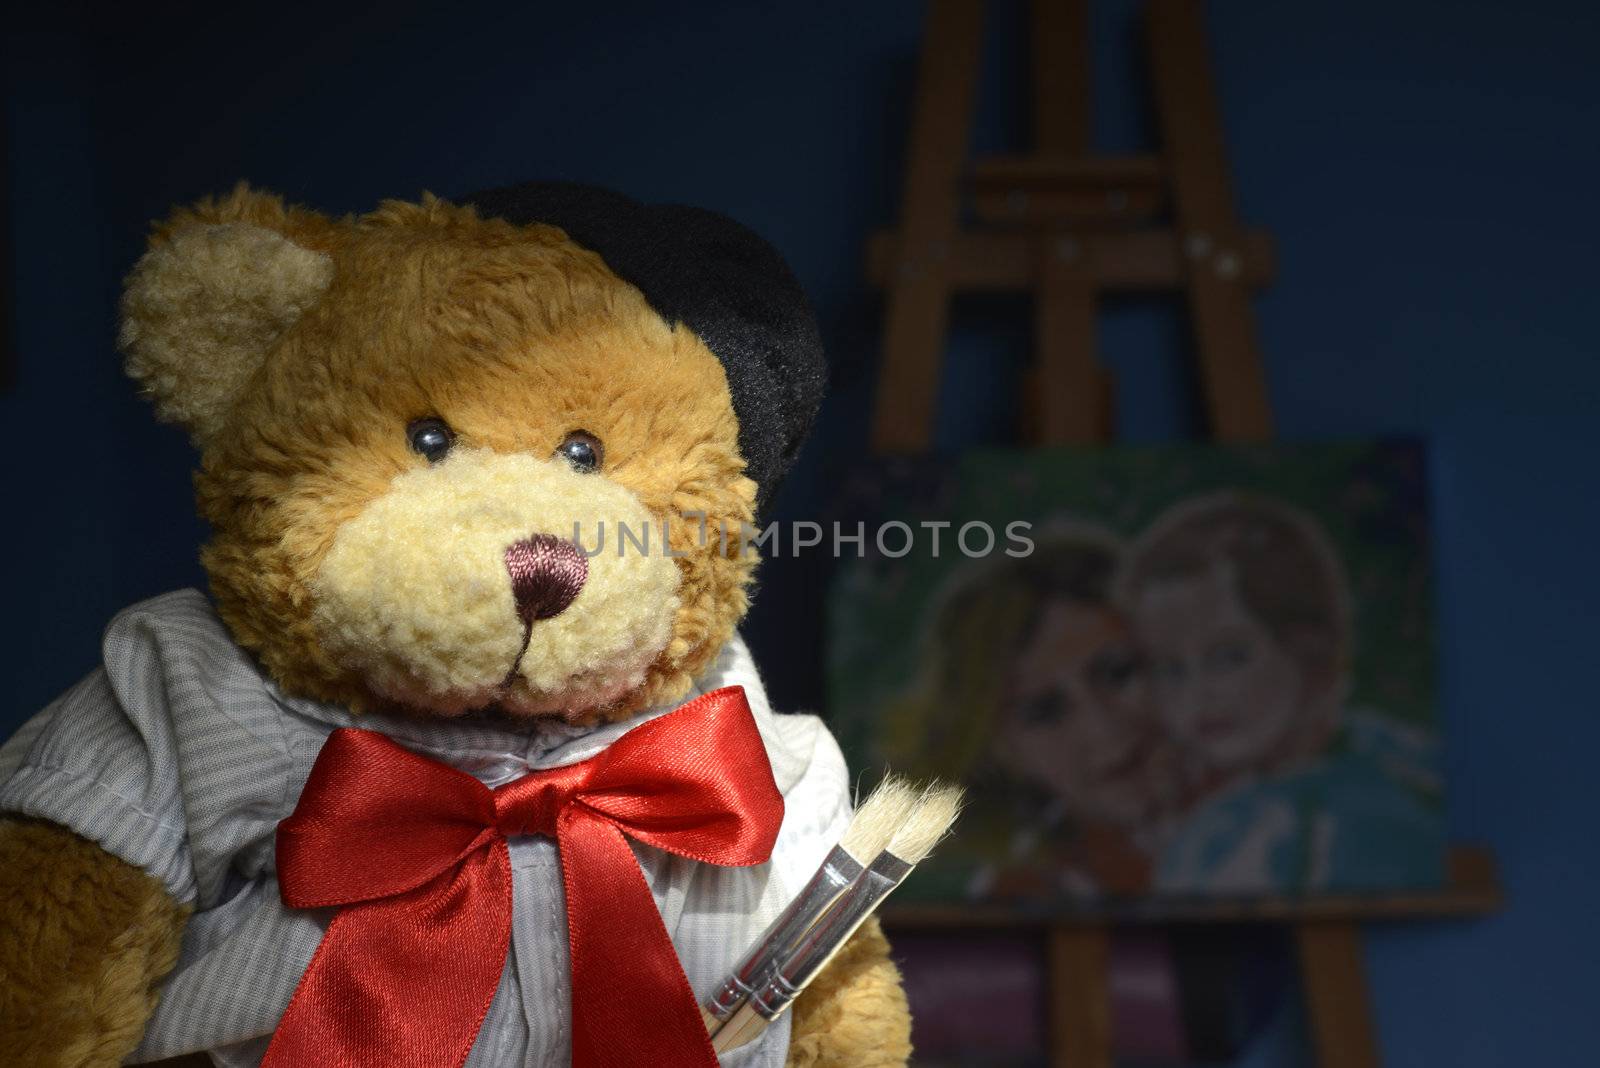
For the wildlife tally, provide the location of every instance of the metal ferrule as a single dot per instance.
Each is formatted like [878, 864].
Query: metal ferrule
[838, 870]
[816, 946]
[829, 934]
[892, 868]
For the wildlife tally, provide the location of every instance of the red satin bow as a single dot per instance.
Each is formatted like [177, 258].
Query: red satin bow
[414, 854]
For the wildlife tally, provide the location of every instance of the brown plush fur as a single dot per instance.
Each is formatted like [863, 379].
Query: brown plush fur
[515, 337]
[84, 939]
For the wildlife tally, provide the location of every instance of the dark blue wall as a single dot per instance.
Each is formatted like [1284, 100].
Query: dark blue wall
[1428, 169]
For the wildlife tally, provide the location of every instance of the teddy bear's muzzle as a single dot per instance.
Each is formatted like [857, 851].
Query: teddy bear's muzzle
[434, 623]
[546, 574]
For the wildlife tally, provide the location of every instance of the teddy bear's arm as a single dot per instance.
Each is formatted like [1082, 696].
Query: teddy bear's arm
[84, 940]
[854, 1015]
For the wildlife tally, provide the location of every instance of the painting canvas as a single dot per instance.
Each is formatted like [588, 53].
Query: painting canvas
[1207, 673]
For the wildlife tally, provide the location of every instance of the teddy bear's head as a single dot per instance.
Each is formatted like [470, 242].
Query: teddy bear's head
[483, 455]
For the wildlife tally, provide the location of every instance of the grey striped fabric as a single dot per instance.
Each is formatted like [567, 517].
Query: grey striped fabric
[180, 757]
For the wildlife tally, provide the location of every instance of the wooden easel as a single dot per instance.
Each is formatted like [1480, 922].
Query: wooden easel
[1067, 227]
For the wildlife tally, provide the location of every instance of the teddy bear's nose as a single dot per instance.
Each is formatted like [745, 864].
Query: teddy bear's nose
[546, 574]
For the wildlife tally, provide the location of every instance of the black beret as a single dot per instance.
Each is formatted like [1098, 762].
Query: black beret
[719, 279]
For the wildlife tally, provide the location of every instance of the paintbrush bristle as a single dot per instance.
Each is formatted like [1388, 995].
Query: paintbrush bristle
[930, 821]
[879, 817]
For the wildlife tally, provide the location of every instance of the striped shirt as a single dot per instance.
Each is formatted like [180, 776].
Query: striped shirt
[180, 757]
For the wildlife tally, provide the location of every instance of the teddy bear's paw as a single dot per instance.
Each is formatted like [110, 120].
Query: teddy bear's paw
[84, 939]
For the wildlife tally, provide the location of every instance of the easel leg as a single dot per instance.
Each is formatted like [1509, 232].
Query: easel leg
[1071, 386]
[919, 288]
[1080, 997]
[1061, 77]
[1336, 994]
[1219, 299]
[1069, 402]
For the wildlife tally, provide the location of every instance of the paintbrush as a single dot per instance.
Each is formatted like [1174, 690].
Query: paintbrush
[876, 820]
[936, 810]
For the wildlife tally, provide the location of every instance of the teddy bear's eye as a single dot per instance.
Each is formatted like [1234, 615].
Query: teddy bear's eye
[431, 437]
[582, 450]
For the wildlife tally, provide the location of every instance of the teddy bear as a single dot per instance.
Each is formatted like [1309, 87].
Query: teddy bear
[462, 761]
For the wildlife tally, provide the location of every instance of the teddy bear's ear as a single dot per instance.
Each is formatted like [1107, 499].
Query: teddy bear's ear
[220, 283]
